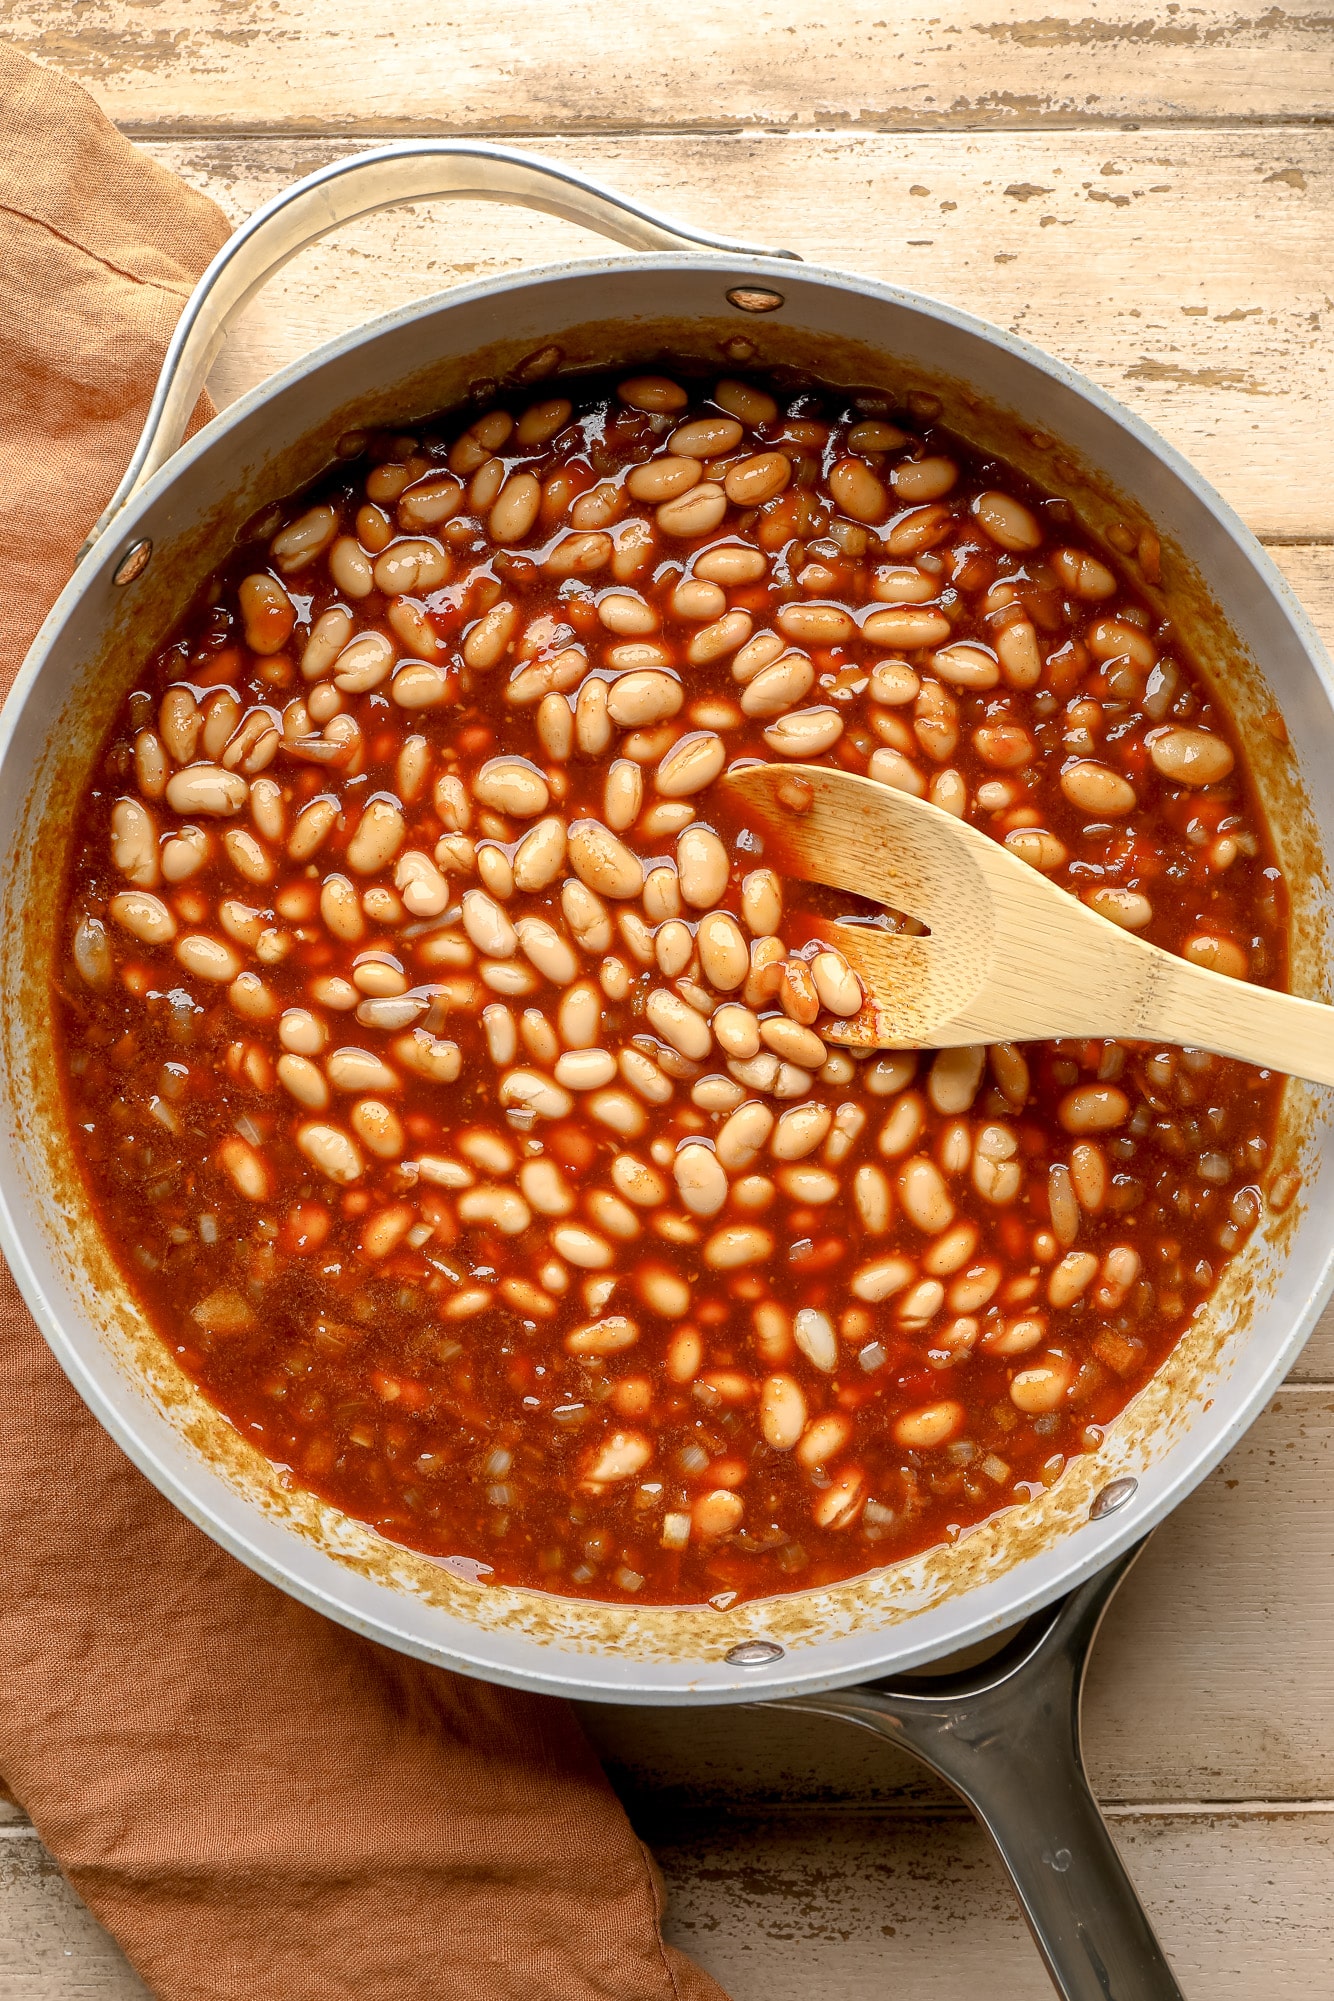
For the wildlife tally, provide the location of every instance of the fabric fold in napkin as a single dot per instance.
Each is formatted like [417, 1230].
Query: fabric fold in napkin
[254, 1801]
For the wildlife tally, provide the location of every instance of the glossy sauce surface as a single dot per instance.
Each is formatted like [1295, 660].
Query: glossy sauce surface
[445, 1064]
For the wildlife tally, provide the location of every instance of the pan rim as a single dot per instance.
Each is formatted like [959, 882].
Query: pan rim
[1206, 1440]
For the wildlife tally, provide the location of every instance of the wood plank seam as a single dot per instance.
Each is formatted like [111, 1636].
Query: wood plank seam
[388, 132]
[660, 1819]
[671, 1823]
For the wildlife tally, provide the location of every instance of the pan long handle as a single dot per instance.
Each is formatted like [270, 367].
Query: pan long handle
[1006, 1736]
[419, 170]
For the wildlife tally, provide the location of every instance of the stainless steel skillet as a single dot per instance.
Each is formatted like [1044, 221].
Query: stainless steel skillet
[174, 519]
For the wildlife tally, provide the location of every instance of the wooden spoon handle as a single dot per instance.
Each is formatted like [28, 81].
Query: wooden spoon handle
[1204, 1010]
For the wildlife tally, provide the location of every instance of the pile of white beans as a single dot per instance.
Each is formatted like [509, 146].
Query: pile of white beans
[439, 834]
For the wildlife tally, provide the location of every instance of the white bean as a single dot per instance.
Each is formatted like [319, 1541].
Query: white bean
[623, 794]
[702, 866]
[926, 1200]
[805, 733]
[134, 843]
[585, 1069]
[419, 882]
[871, 1196]
[800, 1130]
[579, 1016]
[638, 1182]
[545, 1188]
[644, 697]
[206, 788]
[690, 765]
[621, 1456]
[736, 1245]
[582, 1247]
[350, 568]
[792, 1042]
[379, 836]
[778, 687]
[208, 958]
[488, 926]
[723, 951]
[351, 1069]
[512, 785]
[495, 1208]
[697, 512]
[1190, 756]
[305, 538]
[673, 946]
[997, 1175]
[1094, 788]
[742, 1136]
[547, 950]
[329, 635]
[881, 1278]
[700, 1179]
[699, 600]
[143, 915]
[737, 1031]
[714, 642]
[677, 1023]
[529, 1090]
[954, 1078]
[502, 1041]
[332, 1151]
[782, 1412]
[624, 1453]
[814, 1335]
[762, 902]
[304, 1080]
[364, 664]
[587, 916]
[838, 987]
[540, 855]
[411, 566]
[603, 863]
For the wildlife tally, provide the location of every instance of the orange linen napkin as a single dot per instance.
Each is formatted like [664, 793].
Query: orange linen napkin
[255, 1802]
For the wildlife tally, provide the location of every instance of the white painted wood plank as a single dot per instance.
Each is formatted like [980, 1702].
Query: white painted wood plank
[778, 1909]
[1184, 271]
[1315, 1364]
[51, 1946]
[463, 65]
[1213, 1680]
[781, 1910]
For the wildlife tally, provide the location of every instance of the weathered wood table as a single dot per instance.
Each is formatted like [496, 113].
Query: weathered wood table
[1147, 192]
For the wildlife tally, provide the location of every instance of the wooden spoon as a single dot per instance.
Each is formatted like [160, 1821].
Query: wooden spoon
[1010, 957]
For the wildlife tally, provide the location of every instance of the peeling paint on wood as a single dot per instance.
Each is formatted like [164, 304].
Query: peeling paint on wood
[779, 1910]
[51, 1946]
[783, 1907]
[866, 65]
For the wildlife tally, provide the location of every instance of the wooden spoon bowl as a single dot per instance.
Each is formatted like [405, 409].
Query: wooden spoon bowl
[1009, 956]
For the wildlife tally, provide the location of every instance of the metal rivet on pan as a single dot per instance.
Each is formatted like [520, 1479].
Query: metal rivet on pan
[133, 563]
[753, 1653]
[1113, 1496]
[750, 299]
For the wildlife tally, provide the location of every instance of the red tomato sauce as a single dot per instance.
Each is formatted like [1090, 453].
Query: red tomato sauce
[493, 1174]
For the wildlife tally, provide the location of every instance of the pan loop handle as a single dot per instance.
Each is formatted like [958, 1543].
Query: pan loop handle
[420, 170]
[1006, 1736]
